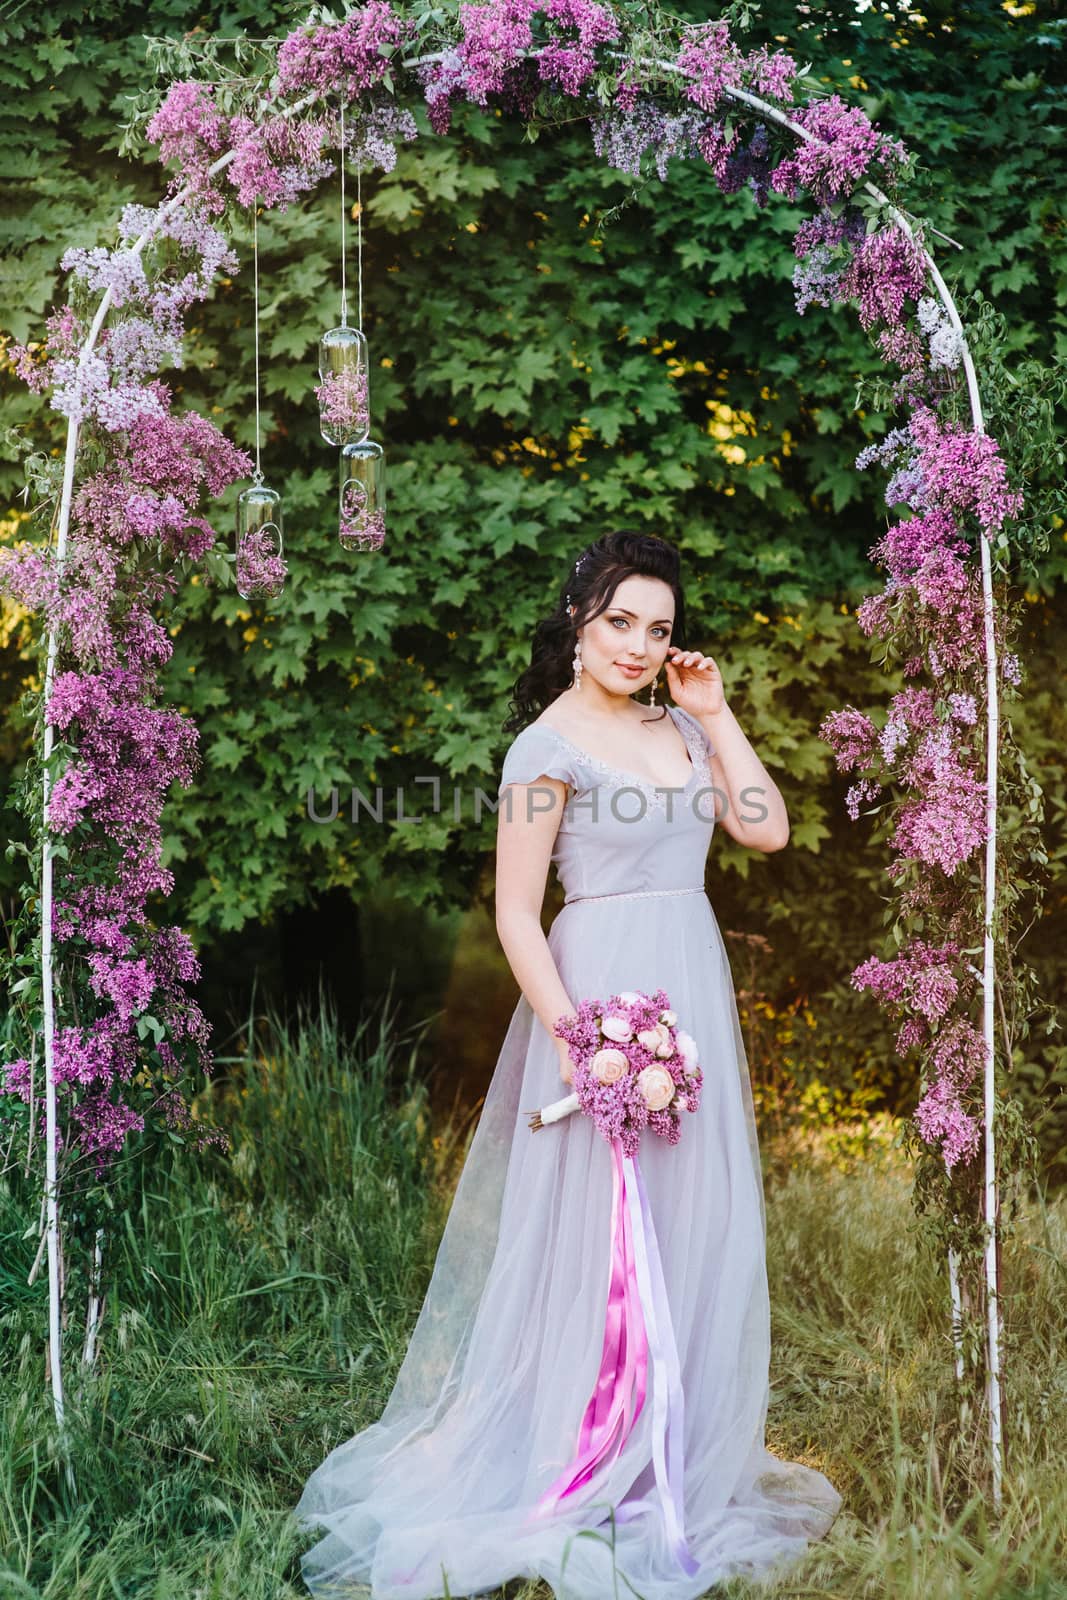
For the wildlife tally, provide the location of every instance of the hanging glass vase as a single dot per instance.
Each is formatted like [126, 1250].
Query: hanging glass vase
[343, 391]
[260, 565]
[362, 518]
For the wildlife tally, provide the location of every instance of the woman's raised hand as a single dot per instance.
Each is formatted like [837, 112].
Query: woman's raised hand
[695, 682]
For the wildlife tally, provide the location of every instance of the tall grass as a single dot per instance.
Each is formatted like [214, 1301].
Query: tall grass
[259, 1304]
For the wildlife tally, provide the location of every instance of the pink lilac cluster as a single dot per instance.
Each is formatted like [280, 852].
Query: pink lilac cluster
[277, 160]
[272, 161]
[342, 398]
[634, 1068]
[954, 1062]
[963, 471]
[577, 27]
[145, 495]
[946, 474]
[119, 750]
[123, 754]
[823, 245]
[921, 979]
[915, 546]
[498, 37]
[108, 385]
[128, 754]
[191, 133]
[347, 57]
[843, 149]
[710, 62]
[851, 735]
[943, 1120]
[259, 567]
[884, 272]
[943, 822]
[361, 530]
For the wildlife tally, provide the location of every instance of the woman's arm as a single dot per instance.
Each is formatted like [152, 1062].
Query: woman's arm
[754, 812]
[738, 773]
[526, 831]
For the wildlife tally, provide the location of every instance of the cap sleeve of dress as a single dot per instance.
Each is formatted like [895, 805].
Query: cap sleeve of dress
[535, 753]
[696, 727]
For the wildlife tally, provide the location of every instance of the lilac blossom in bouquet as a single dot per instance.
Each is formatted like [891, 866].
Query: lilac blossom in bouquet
[634, 1068]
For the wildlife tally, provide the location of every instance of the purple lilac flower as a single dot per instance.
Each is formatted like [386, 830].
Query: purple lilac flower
[577, 27]
[190, 131]
[259, 567]
[886, 269]
[372, 141]
[906, 547]
[750, 165]
[945, 821]
[621, 137]
[844, 148]
[942, 1120]
[963, 707]
[920, 977]
[850, 734]
[964, 471]
[858, 793]
[276, 161]
[342, 398]
[349, 56]
[711, 62]
[719, 149]
[824, 245]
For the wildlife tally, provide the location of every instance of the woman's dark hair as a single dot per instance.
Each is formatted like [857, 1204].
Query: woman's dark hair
[589, 586]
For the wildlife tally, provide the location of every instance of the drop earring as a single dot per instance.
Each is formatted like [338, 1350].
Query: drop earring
[652, 692]
[577, 664]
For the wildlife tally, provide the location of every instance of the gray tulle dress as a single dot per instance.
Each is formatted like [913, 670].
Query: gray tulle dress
[435, 1497]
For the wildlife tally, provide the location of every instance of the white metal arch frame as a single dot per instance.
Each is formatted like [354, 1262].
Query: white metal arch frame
[993, 1383]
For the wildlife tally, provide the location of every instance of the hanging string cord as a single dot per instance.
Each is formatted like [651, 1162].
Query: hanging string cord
[258, 478]
[359, 237]
[344, 289]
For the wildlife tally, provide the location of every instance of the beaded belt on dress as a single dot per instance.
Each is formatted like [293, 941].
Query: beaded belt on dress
[630, 894]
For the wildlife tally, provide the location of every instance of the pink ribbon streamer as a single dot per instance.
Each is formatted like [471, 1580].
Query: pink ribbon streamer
[622, 1381]
[637, 1323]
[668, 1413]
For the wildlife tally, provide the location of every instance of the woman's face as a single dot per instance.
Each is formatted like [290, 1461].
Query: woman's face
[634, 631]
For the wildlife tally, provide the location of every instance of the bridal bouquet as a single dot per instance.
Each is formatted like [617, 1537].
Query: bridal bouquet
[634, 1068]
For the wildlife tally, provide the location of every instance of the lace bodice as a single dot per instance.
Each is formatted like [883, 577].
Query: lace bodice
[619, 832]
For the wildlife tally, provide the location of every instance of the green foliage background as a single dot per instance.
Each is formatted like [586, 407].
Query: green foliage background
[538, 379]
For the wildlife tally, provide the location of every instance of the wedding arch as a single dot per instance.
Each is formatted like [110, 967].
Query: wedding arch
[123, 1042]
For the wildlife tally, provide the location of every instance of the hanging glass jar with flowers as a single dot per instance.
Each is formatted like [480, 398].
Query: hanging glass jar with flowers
[343, 390]
[361, 525]
[260, 566]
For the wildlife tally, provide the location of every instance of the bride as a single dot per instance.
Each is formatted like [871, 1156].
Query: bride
[445, 1493]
